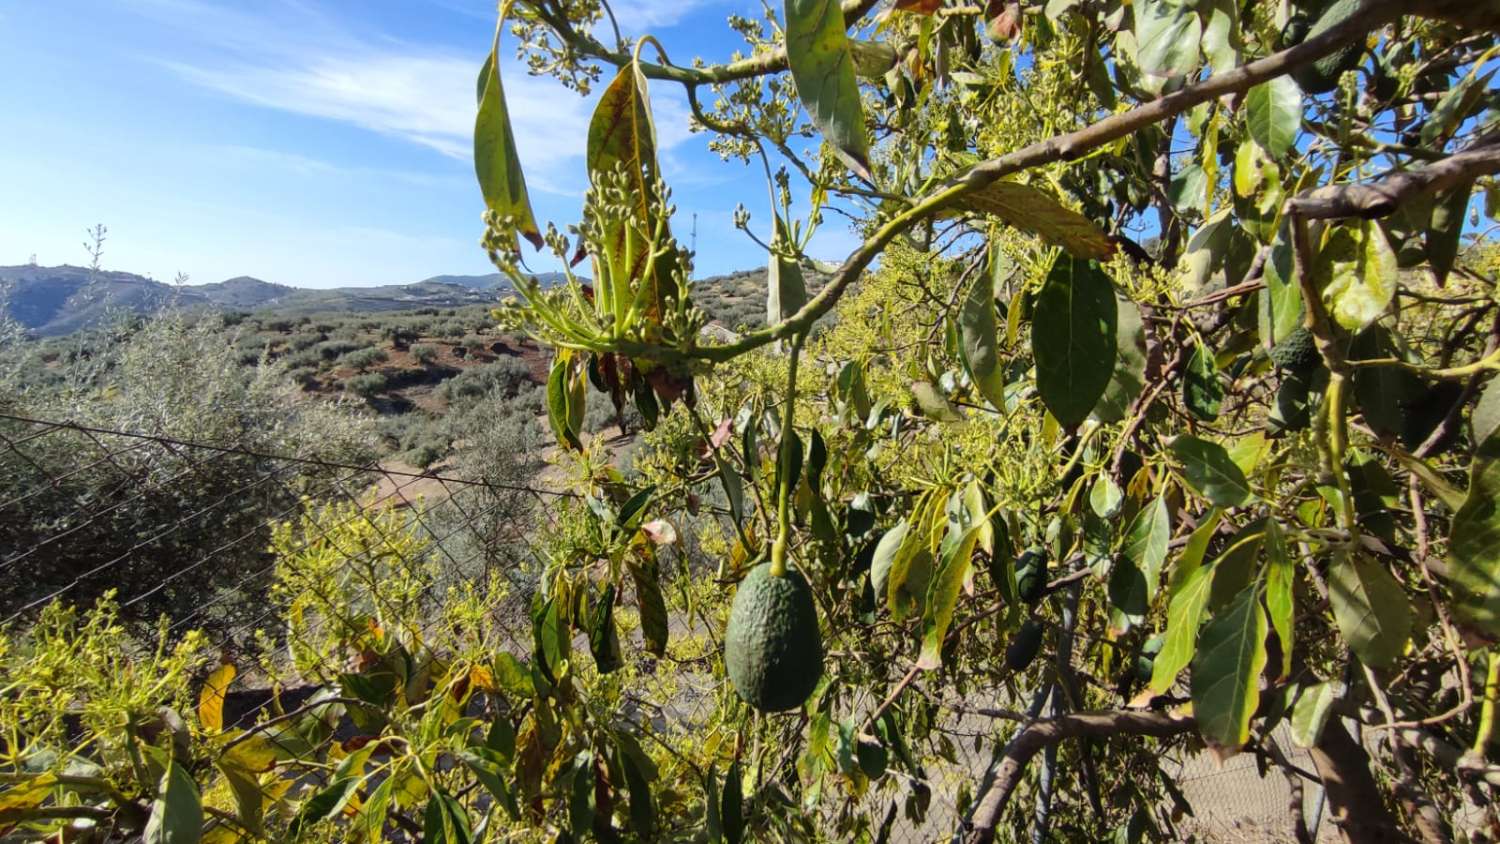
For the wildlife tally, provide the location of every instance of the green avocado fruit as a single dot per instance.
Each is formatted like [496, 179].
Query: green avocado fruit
[1024, 645]
[1297, 352]
[1322, 76]
[772, 648]
[1031, 575]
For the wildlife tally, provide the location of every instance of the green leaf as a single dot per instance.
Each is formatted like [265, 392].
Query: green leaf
[1281, 573]
[1486, 417]
[712, 825]
[1207, 248]
[1221, 34]
[734, 488]
[1281, 300]
[604, 638]
[1445, 230]
[1358, 273]
[1128, 379]
[249, 800]
[332, 799]
[1226, 671]
[652, 604]
[1202, 391]
[512, 676]
[1168, 34]
[1128, 603]
[1370, 608]
[1146, 542]
[1455, 107]
[445, 821]
[372, 815]
[818, 55]
[552, 636]
[177, 812]
[786, 289]
[731, 805]
[1211, 472]
[1187, 594]
[1235, 568]
[496, 163]
[1311, 711]
[1273, 114]
[1029, 209]
[489, 768]
[955, 557]
[581, 806]
[1383, 393]
[979, 342]
[1474, 546]
[638, 775]
[886, 551]
[1073, 337]
[561, 395]
[622, 136]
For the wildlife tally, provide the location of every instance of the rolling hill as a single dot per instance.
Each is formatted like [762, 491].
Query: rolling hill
[51, 301]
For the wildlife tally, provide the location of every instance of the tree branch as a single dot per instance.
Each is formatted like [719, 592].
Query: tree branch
[1382, 197]
[1065, 147]
[1046, 733]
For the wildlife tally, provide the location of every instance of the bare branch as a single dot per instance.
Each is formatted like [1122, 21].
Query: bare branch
[1383, 196]
[1046, 733]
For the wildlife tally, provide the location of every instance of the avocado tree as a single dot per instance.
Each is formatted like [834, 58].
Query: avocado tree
[1164, 355]
[1151, 415]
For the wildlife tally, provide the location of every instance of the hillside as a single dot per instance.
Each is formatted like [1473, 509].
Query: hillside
[53, 301]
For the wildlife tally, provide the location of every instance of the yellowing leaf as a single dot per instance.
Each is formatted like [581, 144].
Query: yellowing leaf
[1029, 209]
[26, 794]
[1358, 273]
[211, 699]
[496, 163]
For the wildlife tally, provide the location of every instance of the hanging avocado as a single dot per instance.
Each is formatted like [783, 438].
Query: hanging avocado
[1031, 575]
[1024, 645]
[1297, 352]
[772, 648]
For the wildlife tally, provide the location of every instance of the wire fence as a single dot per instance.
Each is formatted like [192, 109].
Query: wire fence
[199, 533]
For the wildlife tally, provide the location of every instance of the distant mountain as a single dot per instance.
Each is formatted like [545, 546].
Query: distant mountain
[244, 292]
[51, 301]
[493, 281]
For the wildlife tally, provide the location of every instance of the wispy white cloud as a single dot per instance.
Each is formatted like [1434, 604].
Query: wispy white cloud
[292, 57]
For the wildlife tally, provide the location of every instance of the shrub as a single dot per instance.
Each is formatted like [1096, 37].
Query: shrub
[367, 384]
[154, 518]
[424, 353]
[363, 359]
[333, 349]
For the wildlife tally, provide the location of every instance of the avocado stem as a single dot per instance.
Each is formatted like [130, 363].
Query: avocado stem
[784, 459]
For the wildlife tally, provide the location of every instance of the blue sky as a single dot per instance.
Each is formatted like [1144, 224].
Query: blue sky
[313, 142]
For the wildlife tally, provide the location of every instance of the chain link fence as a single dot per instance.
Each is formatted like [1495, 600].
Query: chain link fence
[201, 534]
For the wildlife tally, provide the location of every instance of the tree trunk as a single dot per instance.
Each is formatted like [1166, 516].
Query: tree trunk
[1354, 800]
